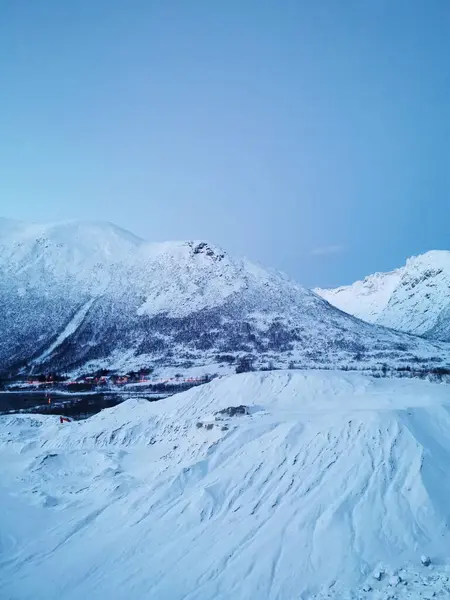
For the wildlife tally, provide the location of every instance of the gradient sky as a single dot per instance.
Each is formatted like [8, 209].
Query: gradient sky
[312, 136]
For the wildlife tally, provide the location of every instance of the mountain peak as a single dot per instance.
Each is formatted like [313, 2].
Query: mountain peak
[432, 259]
[413, 298]
[83, 233]
[206, 249]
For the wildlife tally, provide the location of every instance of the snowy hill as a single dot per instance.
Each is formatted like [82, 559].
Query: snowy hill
[414, 298]
[327, 477]
[84, 296]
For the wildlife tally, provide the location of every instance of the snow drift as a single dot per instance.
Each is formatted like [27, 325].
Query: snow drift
[320, 479]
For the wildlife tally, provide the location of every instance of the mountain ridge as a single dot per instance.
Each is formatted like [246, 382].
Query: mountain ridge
[86, 296]
[412, 299]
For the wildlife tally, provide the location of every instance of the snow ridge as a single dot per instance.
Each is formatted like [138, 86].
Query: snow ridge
[364, 299]
[413, 299]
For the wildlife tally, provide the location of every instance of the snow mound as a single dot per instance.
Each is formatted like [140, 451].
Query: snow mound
[322, 478]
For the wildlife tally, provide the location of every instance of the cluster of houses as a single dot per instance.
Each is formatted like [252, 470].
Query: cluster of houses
[114, 379]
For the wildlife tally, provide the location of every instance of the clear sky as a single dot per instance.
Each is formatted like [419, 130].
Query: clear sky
[312, 136]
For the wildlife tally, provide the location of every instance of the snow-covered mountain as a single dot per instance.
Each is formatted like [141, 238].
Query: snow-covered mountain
[414, 298]
[90, 295]
[327, 477]
[364, 299]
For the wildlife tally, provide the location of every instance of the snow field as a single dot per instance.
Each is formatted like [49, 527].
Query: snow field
[328, 477]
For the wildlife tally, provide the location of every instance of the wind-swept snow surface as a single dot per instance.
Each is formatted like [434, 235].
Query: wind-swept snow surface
[317, 479]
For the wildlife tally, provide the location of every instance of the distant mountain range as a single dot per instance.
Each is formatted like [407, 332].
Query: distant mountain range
[414, 298]
[81, 296]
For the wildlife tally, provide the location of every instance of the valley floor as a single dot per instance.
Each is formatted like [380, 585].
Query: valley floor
[327, 478]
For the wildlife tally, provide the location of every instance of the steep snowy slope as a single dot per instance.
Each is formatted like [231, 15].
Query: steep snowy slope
[364, 299]
[326, 477]
[415, 298]
[90, 295]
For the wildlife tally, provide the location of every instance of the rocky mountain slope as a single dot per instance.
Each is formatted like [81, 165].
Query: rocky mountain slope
[84, 296]
[326, 478]
[414, 298]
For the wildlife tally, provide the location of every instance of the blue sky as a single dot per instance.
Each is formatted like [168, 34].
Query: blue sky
[310, 136]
